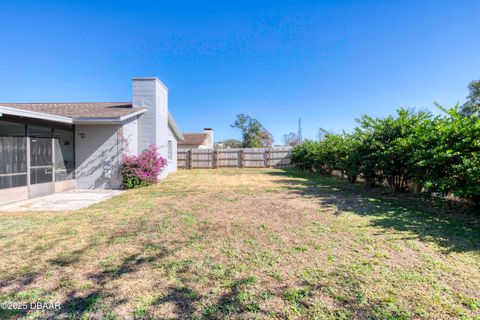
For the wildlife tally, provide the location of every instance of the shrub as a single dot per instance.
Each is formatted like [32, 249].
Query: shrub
[450, 161]
[305, 156]
[348, 160]
[330, 151]
[440, 153]
[319, 156]
[142, 170]
[387, 147]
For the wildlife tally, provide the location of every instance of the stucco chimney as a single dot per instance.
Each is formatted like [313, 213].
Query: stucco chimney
[152, 126]
[209, 131]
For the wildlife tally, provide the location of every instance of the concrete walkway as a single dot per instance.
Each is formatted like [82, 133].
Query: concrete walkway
[69, 200]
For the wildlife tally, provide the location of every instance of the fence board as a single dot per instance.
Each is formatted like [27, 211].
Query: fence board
[278, 157]
[201, 158]
[228, 158]
[182, 158]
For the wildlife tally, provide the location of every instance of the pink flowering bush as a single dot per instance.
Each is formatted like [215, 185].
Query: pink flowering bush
[142, 170]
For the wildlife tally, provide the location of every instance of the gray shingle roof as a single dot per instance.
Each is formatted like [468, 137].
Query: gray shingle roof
[78, 109]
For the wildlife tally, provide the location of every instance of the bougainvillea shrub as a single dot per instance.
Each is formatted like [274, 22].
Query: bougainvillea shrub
[143, 169]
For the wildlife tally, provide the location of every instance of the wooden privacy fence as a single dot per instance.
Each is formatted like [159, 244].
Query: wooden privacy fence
[278, 157]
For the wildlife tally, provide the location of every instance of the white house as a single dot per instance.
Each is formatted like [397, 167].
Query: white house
[52, 147]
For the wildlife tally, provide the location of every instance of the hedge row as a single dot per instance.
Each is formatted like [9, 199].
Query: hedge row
[440, 153]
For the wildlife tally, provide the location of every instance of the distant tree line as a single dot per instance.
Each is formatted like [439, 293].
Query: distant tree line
[440, 153]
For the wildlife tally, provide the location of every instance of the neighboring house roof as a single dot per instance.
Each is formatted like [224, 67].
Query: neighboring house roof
[193, 139]
[81, 112]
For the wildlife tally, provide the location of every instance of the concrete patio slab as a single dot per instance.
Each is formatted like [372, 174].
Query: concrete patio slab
[65, 201]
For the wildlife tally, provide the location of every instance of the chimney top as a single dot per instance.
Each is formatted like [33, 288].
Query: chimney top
[136, 79]
[206, 129]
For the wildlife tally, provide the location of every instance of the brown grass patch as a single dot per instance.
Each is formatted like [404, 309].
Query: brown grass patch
[236, 244]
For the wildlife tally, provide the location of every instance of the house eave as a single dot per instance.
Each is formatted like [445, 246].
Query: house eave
[107, 120]
[34, 115]
[174, 128]
[68, 120]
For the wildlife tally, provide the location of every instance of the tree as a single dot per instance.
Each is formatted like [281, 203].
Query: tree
[266, 138]
[254, 135]
[232, 143]
[291, 139]
[472, 106]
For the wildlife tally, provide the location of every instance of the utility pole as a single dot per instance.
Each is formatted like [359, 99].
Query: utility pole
[299, 133]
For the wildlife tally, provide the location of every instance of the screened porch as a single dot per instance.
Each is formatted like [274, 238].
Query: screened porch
[36, 158]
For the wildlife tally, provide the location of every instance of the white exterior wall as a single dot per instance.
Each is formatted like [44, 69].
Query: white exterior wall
[130, 135]
[152, 94]
[98, 151]
[172, 164]
[99, 148]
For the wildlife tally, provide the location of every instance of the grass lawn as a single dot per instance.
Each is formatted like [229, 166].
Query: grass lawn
[245, 244]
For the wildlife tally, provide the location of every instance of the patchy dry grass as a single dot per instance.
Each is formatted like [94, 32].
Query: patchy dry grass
[245, 244]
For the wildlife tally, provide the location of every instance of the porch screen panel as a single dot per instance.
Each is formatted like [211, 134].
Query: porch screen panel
[64, 155]
[13, 155]
[41, 154]
[41, 160]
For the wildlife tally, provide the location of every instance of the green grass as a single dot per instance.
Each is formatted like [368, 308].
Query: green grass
[246, 244]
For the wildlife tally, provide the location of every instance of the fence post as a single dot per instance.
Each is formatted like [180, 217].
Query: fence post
[189, 156]
[240, 158]
[214, 159]
[268, 155]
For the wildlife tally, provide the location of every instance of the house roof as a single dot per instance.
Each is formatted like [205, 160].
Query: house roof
[78, 109]
[81, 112]
[193, 138]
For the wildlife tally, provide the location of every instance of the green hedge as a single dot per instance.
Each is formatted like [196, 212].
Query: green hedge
[440, 153]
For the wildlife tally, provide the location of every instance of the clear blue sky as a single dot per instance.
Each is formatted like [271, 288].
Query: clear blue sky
[327, 62]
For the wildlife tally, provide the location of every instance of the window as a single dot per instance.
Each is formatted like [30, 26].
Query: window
[170, 150]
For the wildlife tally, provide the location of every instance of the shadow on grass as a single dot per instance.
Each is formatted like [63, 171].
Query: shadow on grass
[66, 259]
[79, 303]
[76, 305]
[184, 300]
[231, 304]
[450, 225]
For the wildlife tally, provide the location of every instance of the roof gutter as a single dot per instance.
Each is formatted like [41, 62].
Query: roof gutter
[107, 120]
[34, 115]
[173, 126]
